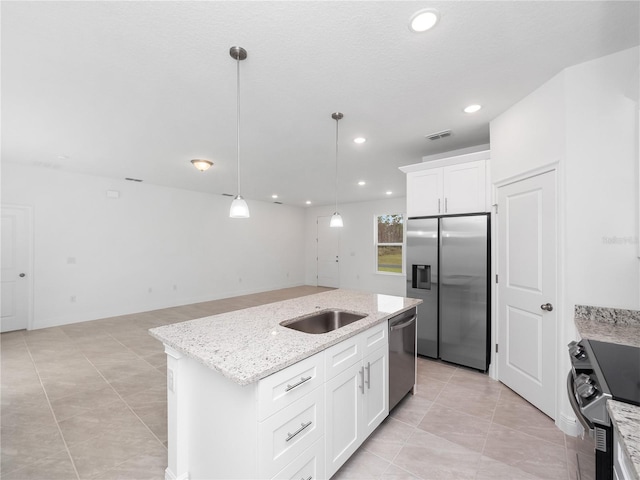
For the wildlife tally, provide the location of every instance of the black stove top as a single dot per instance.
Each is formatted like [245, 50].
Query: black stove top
[620, 366]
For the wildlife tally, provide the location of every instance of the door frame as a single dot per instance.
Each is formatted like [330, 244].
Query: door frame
[564, 312]
[28, 212]
[318, 219]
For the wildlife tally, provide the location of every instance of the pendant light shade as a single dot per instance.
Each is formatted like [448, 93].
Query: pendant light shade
[239, 207]
[336, 218]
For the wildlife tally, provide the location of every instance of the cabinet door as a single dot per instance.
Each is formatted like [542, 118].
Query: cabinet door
[343, 396]
[464, 188]
[424, 193]
[376, 393]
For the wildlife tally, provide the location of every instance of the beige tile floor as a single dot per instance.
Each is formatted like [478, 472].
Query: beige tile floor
[88, 401]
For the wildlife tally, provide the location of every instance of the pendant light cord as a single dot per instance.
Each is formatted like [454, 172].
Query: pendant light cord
[337, 120]
[238, 116]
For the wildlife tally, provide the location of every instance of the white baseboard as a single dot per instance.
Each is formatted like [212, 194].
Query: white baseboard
[569, 425]
[169, 475]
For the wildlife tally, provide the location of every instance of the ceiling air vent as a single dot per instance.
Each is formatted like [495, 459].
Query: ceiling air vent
[133, 179]
[439, 135]
[227, 195]
[278, 203]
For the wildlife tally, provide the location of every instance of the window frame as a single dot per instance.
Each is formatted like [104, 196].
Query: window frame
[376, 244]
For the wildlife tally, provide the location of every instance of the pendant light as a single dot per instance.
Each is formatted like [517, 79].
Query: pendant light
[239, 208]
[336, 219]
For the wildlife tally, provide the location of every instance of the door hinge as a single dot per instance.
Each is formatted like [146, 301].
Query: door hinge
[496, 348]
[496, 207]
[496, 278]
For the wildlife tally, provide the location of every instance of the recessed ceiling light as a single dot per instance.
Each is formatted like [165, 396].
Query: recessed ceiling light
[274, 196]
[360, 140]
[308, 202]
[362, 182]
[472, 108]
[423, 20]
[389, 192]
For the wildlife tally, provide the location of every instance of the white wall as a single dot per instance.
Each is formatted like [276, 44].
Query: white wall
[151, 248]
[357, 253]
[601, 175]
[584, 121]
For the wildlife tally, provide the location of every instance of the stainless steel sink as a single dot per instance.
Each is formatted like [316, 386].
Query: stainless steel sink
[323, 322]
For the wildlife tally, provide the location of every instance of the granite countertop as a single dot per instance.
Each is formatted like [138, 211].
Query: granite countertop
[613, 325]
[620, 326]
[250, 344]
[626, 421]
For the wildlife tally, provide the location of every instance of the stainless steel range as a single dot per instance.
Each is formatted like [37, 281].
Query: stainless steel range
[600, 371]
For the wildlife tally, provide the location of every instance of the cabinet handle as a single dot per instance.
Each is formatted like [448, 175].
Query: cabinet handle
[291, 435]
[445, 204]
[438, 205]
[362, 373]
[302, 380]
[368, 367]
[310, 477]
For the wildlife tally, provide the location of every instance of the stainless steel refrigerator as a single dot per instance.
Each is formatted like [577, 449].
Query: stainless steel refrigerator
[448, 268]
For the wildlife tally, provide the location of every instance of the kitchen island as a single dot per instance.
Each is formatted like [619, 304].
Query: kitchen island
[251, 398]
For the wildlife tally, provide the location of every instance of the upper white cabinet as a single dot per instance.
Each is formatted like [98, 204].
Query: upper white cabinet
[448, 186]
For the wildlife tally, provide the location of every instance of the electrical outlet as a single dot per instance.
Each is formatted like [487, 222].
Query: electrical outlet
[72, 299]
[150, 290]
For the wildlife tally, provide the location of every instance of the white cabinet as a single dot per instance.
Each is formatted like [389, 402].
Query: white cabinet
[302, 421]
[356, 394]
[424, 193]
[622, 467]
[448, 186]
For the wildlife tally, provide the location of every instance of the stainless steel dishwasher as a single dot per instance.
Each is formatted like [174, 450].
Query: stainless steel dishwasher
[402, 355]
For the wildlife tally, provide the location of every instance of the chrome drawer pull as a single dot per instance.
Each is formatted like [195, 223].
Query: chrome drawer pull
[291, 435]
[368, 367]
[302, 380]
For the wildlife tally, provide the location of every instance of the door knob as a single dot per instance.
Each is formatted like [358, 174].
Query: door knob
[547, 307]
[22, 275]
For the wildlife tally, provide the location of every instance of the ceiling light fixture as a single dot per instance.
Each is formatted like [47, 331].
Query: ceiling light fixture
[362, 182]
[336, 219]
[359, 140]
[308, 202]
[472, 108]
[274, 196]
[239, 208]
[389, 192]
[202, 165]
[423, 20]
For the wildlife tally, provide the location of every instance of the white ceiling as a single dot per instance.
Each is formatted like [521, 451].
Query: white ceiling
[137, 89]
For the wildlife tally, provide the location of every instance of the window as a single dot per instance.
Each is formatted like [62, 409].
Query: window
[389, 243]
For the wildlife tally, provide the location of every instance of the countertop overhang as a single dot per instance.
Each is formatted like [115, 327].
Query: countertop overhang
[247, 345]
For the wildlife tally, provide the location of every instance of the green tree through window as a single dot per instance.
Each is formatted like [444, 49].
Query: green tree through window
[390, 238]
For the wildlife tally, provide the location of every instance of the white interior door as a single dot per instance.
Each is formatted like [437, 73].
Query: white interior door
[16, 245]
[527, 273]
[328, 254]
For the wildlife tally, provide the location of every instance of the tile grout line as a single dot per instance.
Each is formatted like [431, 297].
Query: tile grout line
[55, 418]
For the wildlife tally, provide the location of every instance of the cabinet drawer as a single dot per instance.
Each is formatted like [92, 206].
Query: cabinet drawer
[289, 432]
[341, 356]
[375, 338]
[288, 385]
[308, 466]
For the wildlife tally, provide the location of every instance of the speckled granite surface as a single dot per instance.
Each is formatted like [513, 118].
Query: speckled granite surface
[621, 326]
[613, 325]
[247, 345]
[626, 421]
